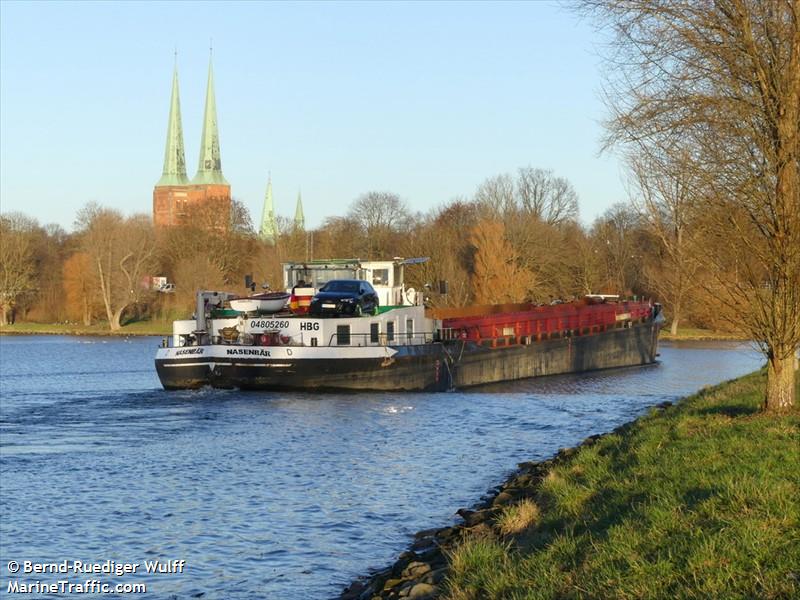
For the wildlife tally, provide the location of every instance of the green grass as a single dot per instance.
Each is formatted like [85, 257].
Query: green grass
[695, 333]
[135, 328]
[701, 500]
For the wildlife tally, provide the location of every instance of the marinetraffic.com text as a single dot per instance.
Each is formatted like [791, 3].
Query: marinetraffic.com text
[81, 577]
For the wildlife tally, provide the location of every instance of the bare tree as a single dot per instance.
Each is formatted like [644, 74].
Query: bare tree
[441, 238]
[722, 78]
[534, 208]
[197, 272]
[80, 288]
[338, 237]
[241, 222]
[536, 192]
[549, 198]
[616, 237]
[383, 218]
[664, 199]
[496, 196]
[17, 263]
[584, 261]
[51, 246]
[229, 244]
[122, 251]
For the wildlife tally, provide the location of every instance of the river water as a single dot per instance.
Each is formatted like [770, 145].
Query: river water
[273, 495]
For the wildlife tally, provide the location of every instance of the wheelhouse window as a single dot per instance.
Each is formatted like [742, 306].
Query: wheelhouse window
[374, 333]
[390, 331]
[343, 335]
[380, 277]
[410, 329]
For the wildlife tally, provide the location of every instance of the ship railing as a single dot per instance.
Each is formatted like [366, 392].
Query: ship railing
[382, 339]
[565, 322]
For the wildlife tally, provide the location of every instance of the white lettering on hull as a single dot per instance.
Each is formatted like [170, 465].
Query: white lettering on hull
[247, 352]
[281, 353]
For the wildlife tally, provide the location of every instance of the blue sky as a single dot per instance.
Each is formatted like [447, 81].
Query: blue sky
[335, 99]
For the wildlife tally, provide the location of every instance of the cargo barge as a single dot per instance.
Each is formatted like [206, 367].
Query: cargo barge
[405, 345]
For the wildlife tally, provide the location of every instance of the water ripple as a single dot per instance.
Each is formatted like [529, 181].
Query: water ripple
[274, 495]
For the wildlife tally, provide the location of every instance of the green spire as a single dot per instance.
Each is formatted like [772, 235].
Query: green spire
[299, 218]
[174, 172]
[209, 169]
[269, 228]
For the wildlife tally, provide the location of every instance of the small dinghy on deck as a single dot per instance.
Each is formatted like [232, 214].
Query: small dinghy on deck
[268, 302]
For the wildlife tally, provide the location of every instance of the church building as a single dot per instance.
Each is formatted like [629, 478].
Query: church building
[175, 196]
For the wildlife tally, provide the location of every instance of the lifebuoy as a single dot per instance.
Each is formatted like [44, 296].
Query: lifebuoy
[411, 296]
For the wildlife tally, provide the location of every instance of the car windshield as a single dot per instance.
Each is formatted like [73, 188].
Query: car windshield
[341, 286]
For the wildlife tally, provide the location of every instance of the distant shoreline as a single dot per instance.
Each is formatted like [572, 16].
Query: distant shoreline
[136, 329]
[149, 328]
[698, 335]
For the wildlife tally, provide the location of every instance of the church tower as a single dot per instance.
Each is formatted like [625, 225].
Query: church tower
[209, 168]
[299, 217]
[170, 193]
[209, 186]
[269, 227]
[174, 196]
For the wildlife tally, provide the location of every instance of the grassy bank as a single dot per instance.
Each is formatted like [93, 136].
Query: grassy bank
[137, 328]
[696, 334]
[697, 501]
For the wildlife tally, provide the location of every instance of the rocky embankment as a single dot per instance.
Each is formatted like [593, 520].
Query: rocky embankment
[420, 572]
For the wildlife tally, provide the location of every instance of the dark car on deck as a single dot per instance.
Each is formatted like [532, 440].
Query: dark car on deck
[351, 297]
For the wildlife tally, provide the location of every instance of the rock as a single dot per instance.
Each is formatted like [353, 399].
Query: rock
[433, 557]
[423, 591]
[423, 544]
[477, 518]
[391, 583]
[523, 480]
[426, 533]
[503, 498]
[435, 577]
[354, 591]
[408, 556]
[415, 570]
[405, 589]
[473, 517]
[445, 533]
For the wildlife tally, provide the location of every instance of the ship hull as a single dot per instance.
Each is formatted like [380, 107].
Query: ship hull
[625, 347]
[424, 367]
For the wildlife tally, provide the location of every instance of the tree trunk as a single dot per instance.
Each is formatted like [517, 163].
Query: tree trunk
[105, 291]
[673, 328]
[87, 313]
[780, 366]
[780, 384]
[115, 321]
[4, 315]
[676, 317]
